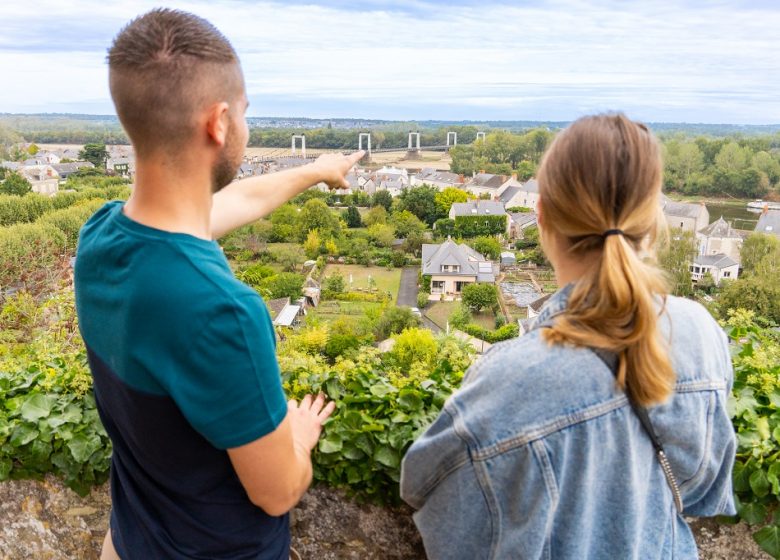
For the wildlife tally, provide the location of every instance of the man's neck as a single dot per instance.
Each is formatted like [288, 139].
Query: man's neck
[173, 197]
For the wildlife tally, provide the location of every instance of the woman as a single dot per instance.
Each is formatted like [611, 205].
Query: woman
[543, 452]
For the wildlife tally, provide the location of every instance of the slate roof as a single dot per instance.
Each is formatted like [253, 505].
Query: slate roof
[487, 180]
[430, 174]
[718, 261]
[532, 185]
[478, 208]
[275, 306]
[287, 315]
[522, 219]
[451, 253]
[509, 194]
[769, 222]
[681, 209]
[719, 228]
[72, 167]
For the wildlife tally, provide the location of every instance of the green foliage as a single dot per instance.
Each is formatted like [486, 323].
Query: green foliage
[755, 248]
[339, 345]
[420, 201]
[283, 224]
[395, 320]
[254, 274]
[382, 235]
[461, 316]
[755, 411]
[506, 332]
[414, 346]
[48, 420]
[406, 224]
[447, 197]
[422, 300]
[487, 246]
[28, 252]
[334, 283]
[676, 258]
[377, 215]
[96, 154]
[23, 209]
[444, 227]
[380, 410]
[69, 220]
[313, 244]
[15, 184]
[479, 295]
[352, 218]
[315, 214]
[285, 284]
[382, 198]
[473, 226]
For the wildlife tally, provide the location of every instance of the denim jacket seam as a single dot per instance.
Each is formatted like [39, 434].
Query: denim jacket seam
[542, 456]
[702, 468]
[549, 428]
[427, 486]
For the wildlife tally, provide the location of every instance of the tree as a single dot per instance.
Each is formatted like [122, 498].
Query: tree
[339, 345]
[676, 258]
[352, 218]
[732, 157]
[406, 224]
[14, 183]
[488, 246]
[382, 234]
[377, 215]
[290, 258]
[460, 317]
[315, 214]
[394, 320]
[446, 198]
[382, 198]
[758, 293]
[283, 223]
[335, 283]
[756, 247]
[444, 227]
[96, 154]
[313, 244]
[479, 295]
[284, 284]
[420, 201]
[33, 149]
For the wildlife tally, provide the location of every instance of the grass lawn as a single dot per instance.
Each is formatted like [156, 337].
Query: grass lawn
[385, 280]
[331, 310]
[440, 312]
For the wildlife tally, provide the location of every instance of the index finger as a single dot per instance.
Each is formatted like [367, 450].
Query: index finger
[355, 157]
[327, 411]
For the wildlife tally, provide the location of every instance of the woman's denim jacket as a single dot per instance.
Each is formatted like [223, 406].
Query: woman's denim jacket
[539, 455]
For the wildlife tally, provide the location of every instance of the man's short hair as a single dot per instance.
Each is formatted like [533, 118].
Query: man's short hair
[164, 67]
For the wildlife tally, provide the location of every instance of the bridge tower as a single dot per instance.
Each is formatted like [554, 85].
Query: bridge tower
[454, 136]
[413, 153]
[302, 138]
[367, 136]
[480, 135]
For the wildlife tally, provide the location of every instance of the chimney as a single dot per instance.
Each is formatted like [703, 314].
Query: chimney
[461, 178]
[504, 178]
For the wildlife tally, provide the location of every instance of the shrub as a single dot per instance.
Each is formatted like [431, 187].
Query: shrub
[21, 209]
[755, 412]
[504, 333]
[460, 317]
[285, 284]
[253, 275]
[398, 259]
[69, 220]
[422, 300]
[339, 345]
[395, 320]
[412, 346]
[29, 251]
[479, 295]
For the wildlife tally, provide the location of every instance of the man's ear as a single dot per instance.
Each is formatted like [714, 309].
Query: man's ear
[218, 123]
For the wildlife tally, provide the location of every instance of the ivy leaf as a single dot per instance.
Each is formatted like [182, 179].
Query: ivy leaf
[36, 407]
[762, 427]
[387, 457]
[23, 434]
[5, 468]
[759, 483]
[753, 513]
[331, 443]
[381, 390]
[768, 539]
[410, 400]
[81, 446]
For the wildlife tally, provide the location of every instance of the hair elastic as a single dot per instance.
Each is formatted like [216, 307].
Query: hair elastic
[612, 232]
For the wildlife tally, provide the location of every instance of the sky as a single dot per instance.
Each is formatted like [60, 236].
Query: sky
[702, 62]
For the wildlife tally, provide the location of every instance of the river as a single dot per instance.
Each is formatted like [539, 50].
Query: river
[739, 216]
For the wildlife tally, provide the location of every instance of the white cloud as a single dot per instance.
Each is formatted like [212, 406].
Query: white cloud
[663, 60]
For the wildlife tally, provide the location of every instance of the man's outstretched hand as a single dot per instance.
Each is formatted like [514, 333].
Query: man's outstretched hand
[306, 419]
[333, 168]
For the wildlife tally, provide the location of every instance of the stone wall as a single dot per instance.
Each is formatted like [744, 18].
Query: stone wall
[45, 521]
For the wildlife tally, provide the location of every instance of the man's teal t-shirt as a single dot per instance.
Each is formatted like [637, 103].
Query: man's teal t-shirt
[184, 367]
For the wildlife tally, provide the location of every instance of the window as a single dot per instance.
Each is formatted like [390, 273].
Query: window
[726, 274]
[437, 286]
[681, 225]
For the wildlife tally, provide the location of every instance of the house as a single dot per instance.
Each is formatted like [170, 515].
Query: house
[508, 258]
[435, 178]
[49, 158]
[451, 266]
[524, 195]
[720, 266]
[485, 183]
[519, 222]
[769, 223]
[477, 210]
[360, 181]
[394, 186]
[122, 166]
[720, 237]
[392, 174]
[43, 178]
[65, 170]
[535, 307]
[685, 216]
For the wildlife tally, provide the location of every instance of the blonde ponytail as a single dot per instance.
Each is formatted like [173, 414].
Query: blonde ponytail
[611, 167]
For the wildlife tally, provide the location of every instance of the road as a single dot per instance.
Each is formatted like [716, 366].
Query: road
[407, 295]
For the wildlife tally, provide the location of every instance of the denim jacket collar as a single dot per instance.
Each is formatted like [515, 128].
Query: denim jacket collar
[555, 305]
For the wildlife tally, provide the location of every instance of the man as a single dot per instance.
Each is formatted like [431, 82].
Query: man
[208, 457]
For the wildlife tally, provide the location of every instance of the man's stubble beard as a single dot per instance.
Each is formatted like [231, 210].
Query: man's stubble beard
[224, 170]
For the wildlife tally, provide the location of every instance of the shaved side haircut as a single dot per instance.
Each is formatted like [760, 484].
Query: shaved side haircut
[164, 68]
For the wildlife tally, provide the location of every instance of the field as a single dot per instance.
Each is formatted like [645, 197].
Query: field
[384, 280]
